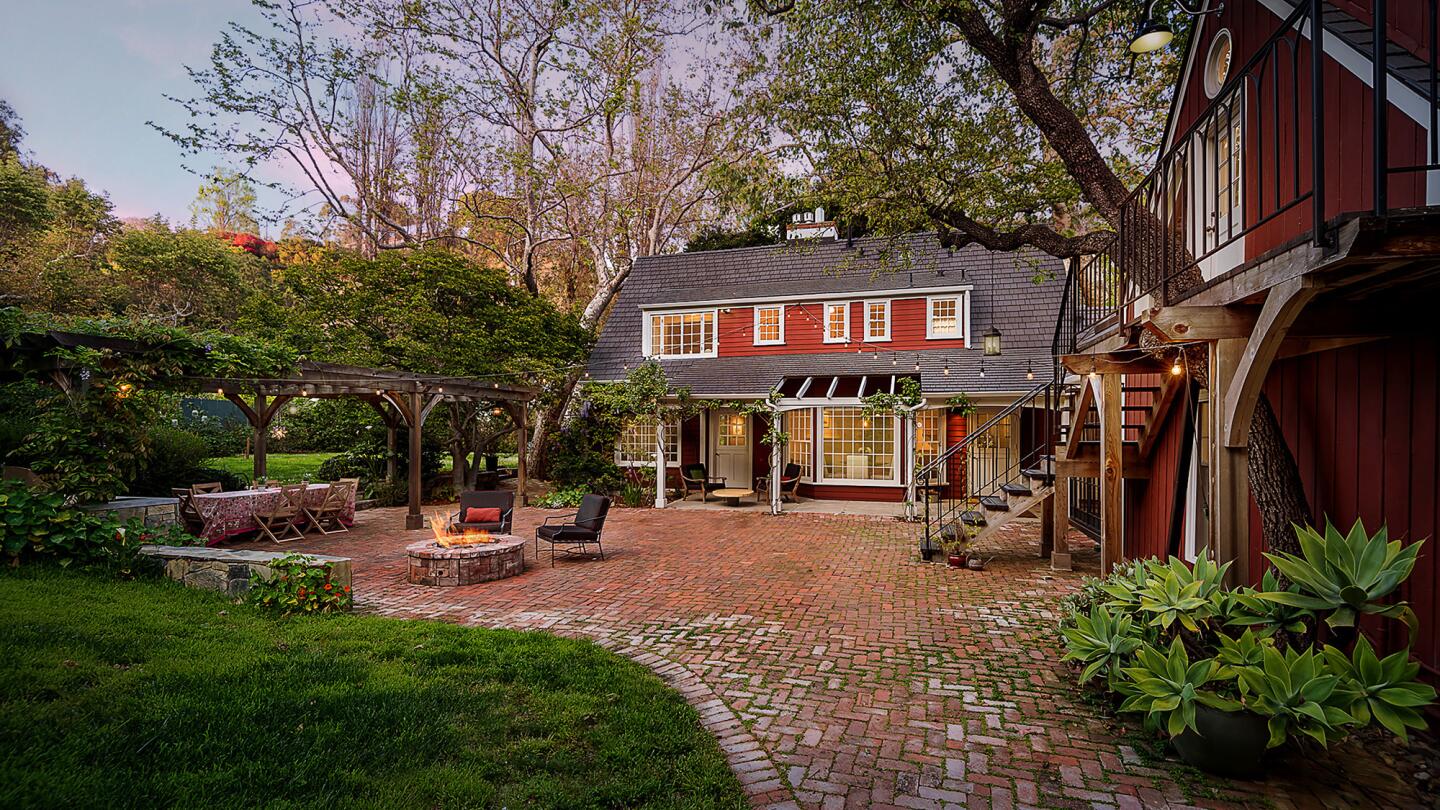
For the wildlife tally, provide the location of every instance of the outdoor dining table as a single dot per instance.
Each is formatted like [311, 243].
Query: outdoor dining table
[228, 514]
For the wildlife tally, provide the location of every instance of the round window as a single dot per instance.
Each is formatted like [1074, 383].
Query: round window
[1217, 63]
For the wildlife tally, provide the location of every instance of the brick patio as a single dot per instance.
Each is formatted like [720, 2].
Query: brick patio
[838, 671]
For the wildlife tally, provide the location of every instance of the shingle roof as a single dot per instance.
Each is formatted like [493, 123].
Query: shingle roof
[1023, 310]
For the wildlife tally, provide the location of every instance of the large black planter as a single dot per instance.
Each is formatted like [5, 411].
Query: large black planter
[1229, 743]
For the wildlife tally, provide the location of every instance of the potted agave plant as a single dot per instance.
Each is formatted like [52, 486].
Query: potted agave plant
[1231, 673]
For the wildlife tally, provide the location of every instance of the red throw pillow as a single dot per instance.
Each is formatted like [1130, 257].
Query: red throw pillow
[478, 515]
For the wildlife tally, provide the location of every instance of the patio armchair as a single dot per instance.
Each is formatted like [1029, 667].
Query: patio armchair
[695, 477]
[328, 516]
[280, 521]
[502, 501]
[585, 529]
[790, 483]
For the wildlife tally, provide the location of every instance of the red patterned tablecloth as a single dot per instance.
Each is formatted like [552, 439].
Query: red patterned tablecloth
[231, 513]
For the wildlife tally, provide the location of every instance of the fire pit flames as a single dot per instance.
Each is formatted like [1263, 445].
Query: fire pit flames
[446, 538]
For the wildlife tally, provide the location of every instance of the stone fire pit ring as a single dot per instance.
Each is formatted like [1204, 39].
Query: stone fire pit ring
[434, 564]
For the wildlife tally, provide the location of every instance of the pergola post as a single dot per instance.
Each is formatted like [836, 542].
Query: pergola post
[522, 442]
[259, 416]
[259, 441]
[413, 518]
[392, 438]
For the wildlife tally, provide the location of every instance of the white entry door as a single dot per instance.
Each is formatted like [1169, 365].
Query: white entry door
[730, 447]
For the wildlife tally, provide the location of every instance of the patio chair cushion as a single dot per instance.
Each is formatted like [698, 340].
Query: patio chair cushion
[792, 472]
[593, 509]
[567, 533]
[482, 514]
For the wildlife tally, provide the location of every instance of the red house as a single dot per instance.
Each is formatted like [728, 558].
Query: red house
[1284, 254]
[815, 325]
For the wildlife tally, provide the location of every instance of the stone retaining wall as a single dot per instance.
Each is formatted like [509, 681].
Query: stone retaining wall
[153, 511]
[228, 571]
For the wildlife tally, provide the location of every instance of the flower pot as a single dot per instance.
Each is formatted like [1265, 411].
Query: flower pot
[956, 560]
[1229, 743]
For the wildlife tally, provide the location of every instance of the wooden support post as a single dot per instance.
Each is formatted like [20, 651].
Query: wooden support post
[261, 427]
[1047, 526]
[392, 439]
[1060, 524]
[1229, 538]
[522, 466]
[413, 518]
[1112, 474]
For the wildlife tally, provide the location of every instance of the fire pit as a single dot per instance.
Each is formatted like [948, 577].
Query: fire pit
[464, 558]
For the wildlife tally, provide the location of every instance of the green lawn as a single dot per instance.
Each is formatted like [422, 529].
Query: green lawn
[286, 467]
[145, 693]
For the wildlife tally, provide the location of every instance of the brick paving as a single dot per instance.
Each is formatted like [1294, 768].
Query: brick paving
[838, 671]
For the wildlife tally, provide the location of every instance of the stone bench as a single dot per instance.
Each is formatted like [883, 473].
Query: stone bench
[228, 571]
[150, 511]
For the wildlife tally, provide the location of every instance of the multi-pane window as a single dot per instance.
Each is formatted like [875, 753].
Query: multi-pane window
[944, 318]
[857, 446]
[1225, 144]
[877, 320]
[800, 449]
[837, 322]
[682, 334]
[732, 430]
[636, 447]
[769, 325]
[929, 439]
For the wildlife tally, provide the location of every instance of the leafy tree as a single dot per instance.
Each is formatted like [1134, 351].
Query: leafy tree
[185, 277]
[225, 202]
[24, 203]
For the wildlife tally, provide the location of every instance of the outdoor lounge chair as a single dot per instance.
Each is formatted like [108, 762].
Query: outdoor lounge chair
[327, 516]
[280, 522]
[695, 477]
[585, 529]
[502, 500]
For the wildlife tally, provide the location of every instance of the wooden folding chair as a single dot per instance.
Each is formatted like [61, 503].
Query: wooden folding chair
[189, 516]
[279, 523]
[331, 509]
[212, 486]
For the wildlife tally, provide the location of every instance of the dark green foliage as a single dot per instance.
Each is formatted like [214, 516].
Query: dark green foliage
[171, 459]
[715, 237]
[582, 453]
[296, 586]
[329, 426]
[147, 694]
[37, 525]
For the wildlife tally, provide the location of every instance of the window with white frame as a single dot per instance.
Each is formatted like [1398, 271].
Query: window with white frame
[769, 325]
[837, 322]
[636, 446]
[945, 317]
[800, 448]
[929, 438]
[857, 446]
[877, 320]
[681, 334]
[733, 430]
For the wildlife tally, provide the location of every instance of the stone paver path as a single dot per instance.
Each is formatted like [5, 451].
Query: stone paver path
[839, 671]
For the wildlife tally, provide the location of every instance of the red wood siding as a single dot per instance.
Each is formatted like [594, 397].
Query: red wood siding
[1149, 502]
[1365, 429]
[1349, 166]
[956, 428]
[852, 493]
[804, 331]
[1407, 23]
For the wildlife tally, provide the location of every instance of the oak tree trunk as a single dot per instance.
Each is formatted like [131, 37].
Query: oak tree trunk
[1275, 481]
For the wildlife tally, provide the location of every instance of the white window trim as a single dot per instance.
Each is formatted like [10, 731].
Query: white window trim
[620, 461]
[825, 318]
[758, 341]
[895, 480]
[647, 328]
[962, 309]
[866, 320]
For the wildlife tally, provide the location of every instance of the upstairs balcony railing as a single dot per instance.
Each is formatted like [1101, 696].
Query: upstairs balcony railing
[1266, 167]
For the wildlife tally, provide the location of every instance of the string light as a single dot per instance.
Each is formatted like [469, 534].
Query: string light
[947, 368]
[982, 367]
[1029, 371]
[917, 362]
[1177, 369]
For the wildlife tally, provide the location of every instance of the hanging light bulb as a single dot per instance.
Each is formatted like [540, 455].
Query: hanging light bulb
[917, 362]
[1029, 371]
[894, 360]
[982, 367]
[947, 368]
[1178, 368]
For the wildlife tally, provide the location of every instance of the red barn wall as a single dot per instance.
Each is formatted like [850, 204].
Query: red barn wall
[804, 330]
[1149, 502]
[1365, 429]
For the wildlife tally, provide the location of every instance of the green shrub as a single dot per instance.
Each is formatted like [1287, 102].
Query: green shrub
[562, 498]
[1249, 649]
[37, 525]
[582, 454]
[329, 426]
[296, 586]
[171, 459]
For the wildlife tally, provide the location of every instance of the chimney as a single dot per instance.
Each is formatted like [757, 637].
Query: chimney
[810, 225]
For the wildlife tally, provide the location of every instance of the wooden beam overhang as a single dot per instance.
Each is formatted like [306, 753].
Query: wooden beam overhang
[1126, 361]
[1180, 324]
[1282, 305]
[1134, 467]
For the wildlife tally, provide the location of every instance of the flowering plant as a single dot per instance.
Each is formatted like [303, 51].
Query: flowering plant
[297, 584]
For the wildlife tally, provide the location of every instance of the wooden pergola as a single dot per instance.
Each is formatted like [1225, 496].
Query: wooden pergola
[401, 398]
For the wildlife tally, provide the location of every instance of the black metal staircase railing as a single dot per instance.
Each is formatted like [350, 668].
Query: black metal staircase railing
[1012, 447]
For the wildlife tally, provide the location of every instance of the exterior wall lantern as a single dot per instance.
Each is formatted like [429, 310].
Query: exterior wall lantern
[992, 342]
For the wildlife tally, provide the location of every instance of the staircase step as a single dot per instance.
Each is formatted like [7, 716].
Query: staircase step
[1016, 489]
[1046, 476]
[973, 518]
[993, 503]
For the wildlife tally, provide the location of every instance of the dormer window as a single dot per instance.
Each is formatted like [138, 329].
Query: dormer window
[680, 334]
[877, 321]
[837, 322]
[944, 318]
[770, 325]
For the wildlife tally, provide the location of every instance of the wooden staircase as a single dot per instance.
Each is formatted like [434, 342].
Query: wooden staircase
[1015, 499]
[1144, 409]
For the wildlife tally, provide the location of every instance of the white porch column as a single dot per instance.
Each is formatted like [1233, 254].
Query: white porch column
[659, 462]
[775, 454]
[910, 421]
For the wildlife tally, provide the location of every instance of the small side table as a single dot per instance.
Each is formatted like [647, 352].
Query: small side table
[732, 495]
